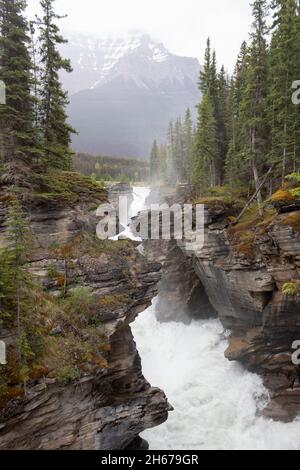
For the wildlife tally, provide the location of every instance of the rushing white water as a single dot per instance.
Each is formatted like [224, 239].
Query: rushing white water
[215, 401]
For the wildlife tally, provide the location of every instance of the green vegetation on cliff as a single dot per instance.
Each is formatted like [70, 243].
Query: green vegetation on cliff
[63, 187]
[55, 327]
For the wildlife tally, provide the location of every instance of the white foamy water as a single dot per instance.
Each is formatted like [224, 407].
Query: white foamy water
[215, 401]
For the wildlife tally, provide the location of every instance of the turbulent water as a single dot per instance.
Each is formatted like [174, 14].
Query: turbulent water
[215, 401]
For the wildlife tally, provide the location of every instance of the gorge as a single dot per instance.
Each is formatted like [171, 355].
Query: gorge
[217, 404]
[247, 402]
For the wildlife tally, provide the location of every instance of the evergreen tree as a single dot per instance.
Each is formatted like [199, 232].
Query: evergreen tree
[235, 158]
[221, 113]
[254, 105]
[172, 174]
[205, 74]
[35, 72]
[19, 141]
[154, 162]
[53, 99]
[206, 147]
[188, 145]
[216, 85]
[163, 162]
[179, 150]
[16, 255]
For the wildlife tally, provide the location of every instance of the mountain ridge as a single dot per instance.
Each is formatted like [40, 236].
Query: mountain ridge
[124, 92]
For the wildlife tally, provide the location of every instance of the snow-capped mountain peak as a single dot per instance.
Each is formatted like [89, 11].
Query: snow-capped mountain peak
[132, 57]
[124, 91]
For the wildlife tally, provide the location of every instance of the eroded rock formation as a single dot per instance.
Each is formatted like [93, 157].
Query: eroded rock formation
[111, 403]
[242, 279]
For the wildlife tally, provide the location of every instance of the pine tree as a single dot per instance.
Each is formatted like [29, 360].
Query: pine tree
[222, 118]
[16, 254]
[205, 74]
[53, 99]
[154, 163]
[188, 146]
[170, 172]
[35, 72]
[206, 147]
[179, 150]
[254, 105]
[19, 141]
[163, 162]
[235, 158]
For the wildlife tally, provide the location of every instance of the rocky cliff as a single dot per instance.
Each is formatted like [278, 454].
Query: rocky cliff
[87, 390]
[239, 274]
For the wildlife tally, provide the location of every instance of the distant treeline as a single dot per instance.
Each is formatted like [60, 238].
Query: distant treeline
[112, 168]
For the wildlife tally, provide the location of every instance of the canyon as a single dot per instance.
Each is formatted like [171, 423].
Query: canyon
[218, 299]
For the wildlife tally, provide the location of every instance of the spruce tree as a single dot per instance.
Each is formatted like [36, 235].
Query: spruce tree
[235, 158]
[222, 121]
[53, 99]
[35, 71]
[16, 255]
[154, 162]
[205, 74]
[188, 146]
[206, 147]
[254, 105]
[163, 162]
[179, 150]
[19, 140]
[170, 151]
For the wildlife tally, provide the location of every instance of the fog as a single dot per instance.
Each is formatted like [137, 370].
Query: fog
[182, 26]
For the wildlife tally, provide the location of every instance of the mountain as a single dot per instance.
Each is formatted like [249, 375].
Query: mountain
[125, 91]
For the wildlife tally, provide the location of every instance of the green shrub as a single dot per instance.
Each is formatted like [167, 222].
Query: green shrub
[81, 300]
[295, 192]
[294, 177]
[291, 288]
[67, 374]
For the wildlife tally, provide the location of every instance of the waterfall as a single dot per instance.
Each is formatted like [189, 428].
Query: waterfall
[140, 195]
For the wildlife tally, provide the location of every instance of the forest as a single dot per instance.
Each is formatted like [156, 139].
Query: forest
[103, 168]
[249, 123]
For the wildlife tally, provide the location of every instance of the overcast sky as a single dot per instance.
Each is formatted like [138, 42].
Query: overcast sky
[182, 25]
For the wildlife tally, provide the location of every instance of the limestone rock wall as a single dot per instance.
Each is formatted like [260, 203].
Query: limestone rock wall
[109, 408]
